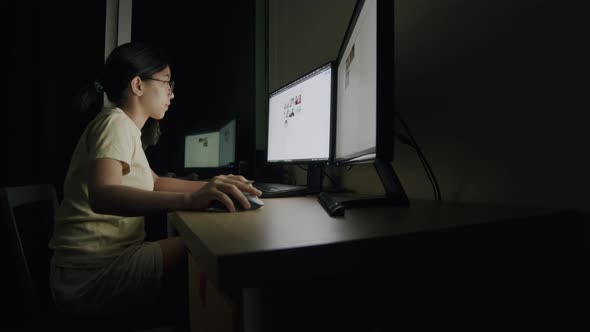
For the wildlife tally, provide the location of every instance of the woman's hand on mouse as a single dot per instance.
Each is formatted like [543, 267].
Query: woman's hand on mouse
[218, 189]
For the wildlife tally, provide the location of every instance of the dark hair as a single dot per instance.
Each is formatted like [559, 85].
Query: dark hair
[124, 63]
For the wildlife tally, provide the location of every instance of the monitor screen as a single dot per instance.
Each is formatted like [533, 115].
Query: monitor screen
[364, 108]
[299, 116]
[227, 143]
[202, 150]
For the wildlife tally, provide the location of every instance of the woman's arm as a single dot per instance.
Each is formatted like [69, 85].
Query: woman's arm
[108, 195]
[162, 183]
[217, 189]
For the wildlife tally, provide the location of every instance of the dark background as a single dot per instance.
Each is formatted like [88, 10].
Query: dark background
[50, 61]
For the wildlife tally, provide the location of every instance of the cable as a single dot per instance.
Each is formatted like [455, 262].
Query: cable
[331, 180]
[323, 172]
[429, 170]
[412, 142]
[424, 162]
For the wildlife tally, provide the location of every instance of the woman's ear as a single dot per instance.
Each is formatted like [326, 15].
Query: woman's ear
[137, 86]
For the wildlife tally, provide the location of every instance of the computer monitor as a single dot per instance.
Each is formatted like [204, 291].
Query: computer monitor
[299, 116]
[201, 150]
[211, 149]
[300, 121]
[365, 64]
[364, 125]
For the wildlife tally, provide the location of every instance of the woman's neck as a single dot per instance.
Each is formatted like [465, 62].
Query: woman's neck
[135, 114]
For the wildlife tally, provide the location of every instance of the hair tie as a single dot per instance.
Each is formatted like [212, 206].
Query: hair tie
[98, 87]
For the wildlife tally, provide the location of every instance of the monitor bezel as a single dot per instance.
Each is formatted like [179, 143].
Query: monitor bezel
[385, 76]
[323, 161]
[233, 118]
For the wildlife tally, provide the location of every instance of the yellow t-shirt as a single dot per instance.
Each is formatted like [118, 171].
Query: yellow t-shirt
[82, 238]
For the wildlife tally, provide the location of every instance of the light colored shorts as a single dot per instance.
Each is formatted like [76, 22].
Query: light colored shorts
[132, 281]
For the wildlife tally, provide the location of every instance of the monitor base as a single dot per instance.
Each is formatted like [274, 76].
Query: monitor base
[336, 204]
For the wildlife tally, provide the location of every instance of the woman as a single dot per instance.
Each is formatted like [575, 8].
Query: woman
[101, 263]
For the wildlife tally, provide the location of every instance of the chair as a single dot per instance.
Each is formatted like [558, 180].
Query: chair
[27, 222]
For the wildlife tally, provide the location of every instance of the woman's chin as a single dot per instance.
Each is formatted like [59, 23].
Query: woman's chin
[161, 115]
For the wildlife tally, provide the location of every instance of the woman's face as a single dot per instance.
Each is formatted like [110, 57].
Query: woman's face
[159, 93]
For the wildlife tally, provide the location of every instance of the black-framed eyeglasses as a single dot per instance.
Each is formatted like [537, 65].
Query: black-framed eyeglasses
[170, 83]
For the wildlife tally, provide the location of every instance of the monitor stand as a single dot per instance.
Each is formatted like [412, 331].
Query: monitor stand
[313, 186]
[314, 179]
[395, 195]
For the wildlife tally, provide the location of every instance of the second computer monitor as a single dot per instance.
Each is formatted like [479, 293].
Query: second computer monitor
[211, 149]
[201, 150]
[299, 119]
[365, 86]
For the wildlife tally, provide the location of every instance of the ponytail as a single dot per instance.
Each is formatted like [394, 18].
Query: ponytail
[89, 99]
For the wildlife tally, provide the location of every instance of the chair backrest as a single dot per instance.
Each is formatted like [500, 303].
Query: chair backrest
[27, 220]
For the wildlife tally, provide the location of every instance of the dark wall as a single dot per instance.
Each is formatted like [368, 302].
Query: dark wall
[495, 93]
[53, 52]
[212, 47]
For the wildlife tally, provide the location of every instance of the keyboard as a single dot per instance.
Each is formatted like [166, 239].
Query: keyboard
[271, 190]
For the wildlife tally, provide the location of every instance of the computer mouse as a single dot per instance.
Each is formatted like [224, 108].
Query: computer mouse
[255, 203]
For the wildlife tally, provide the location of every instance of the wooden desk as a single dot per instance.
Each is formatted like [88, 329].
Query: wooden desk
[293, 239]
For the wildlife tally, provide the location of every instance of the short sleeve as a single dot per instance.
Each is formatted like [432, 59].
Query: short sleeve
[112, 139]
